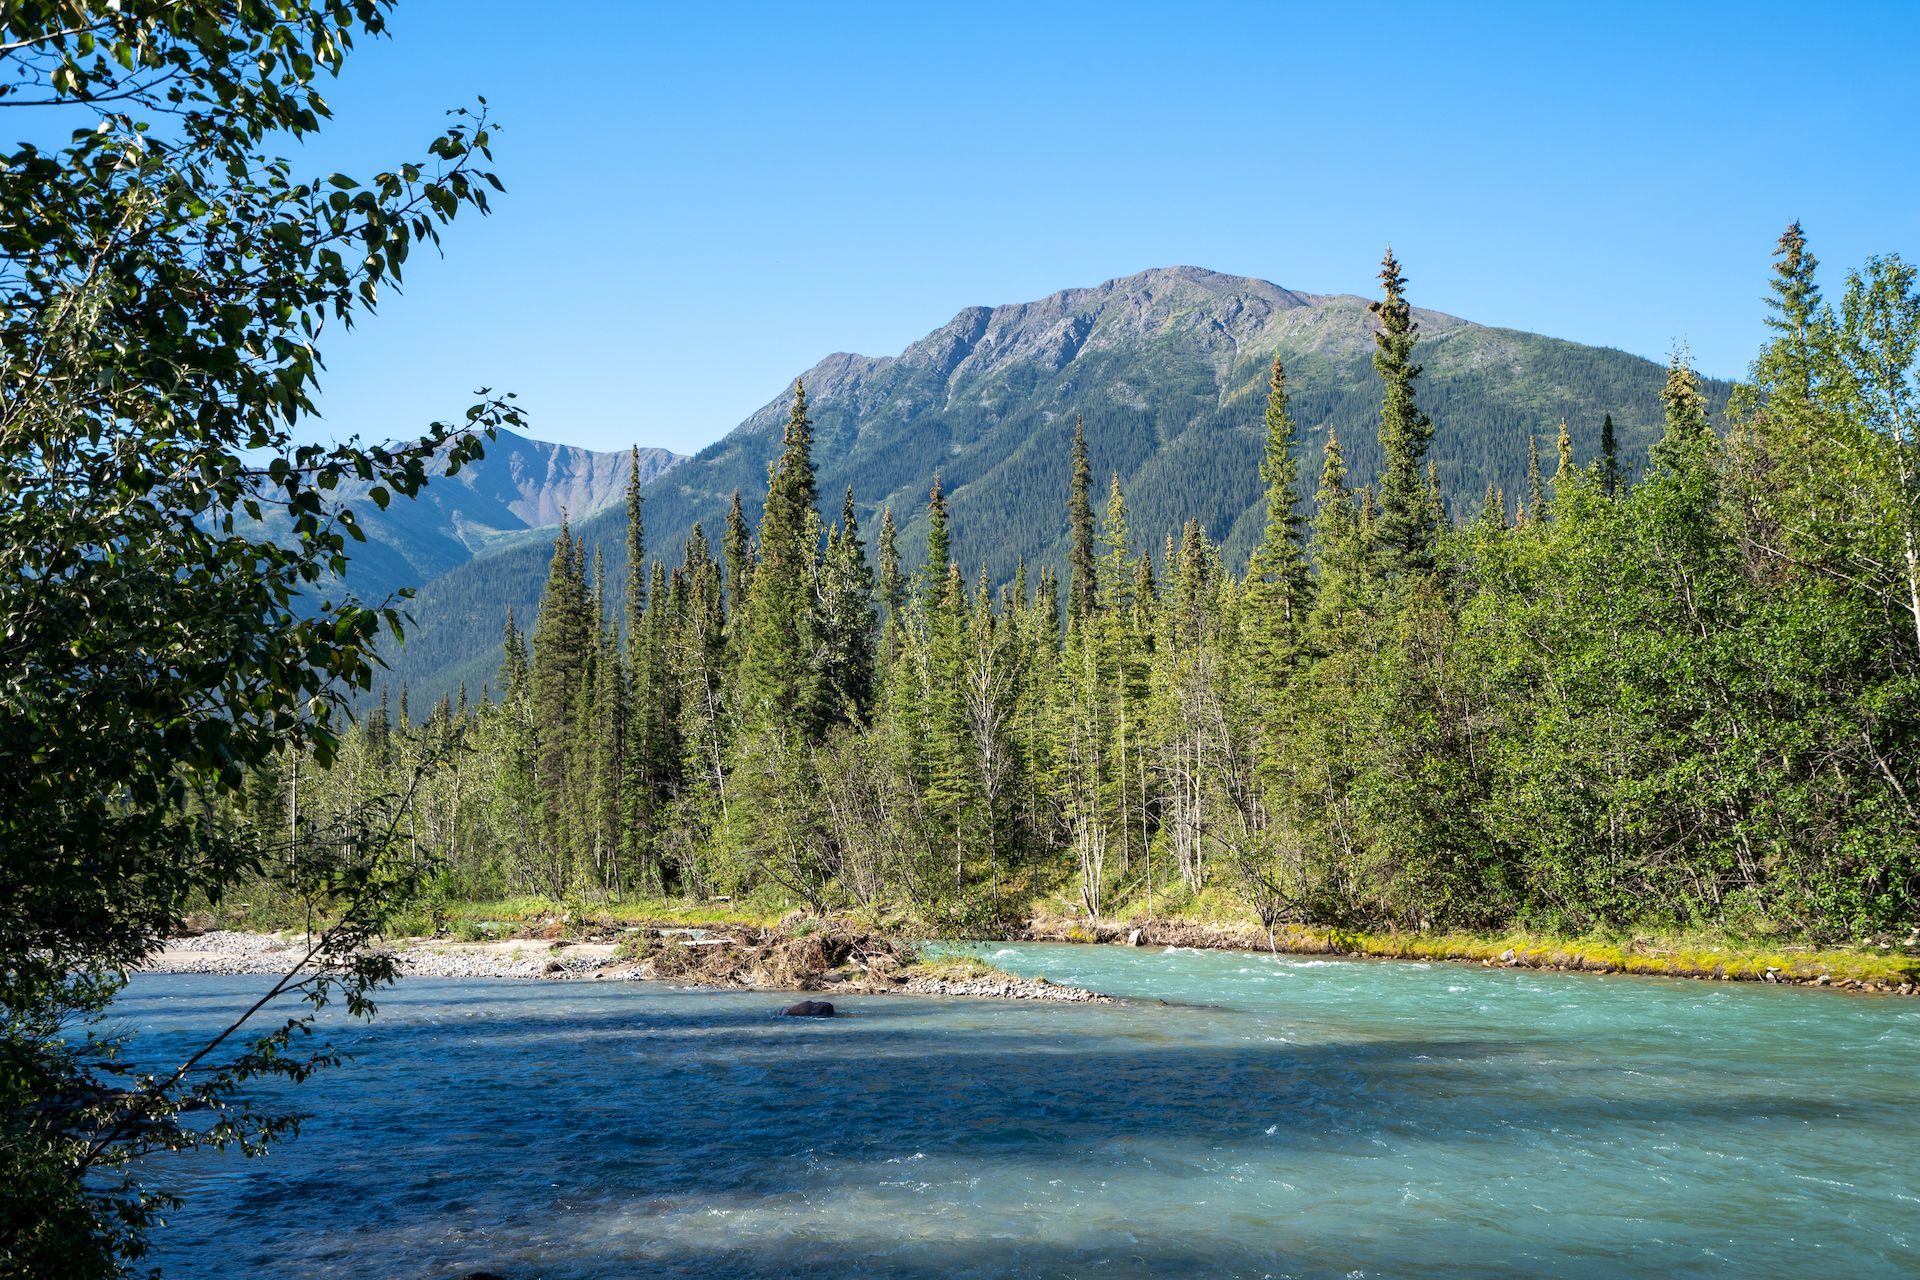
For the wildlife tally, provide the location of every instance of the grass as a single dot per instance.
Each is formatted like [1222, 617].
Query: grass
[1670, 954]
[1665, 955]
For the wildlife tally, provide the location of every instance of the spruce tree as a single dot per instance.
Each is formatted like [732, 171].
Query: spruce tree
[1278, 577]
[1687, 434]
[513, 663]
[893, 583]
[1335, 525]
[1536, 489]
[737, 546]
[1787, 364]
[1406, 527]
[640, 694]
[943, 750]
[1190, 600]
[1116, 559]
[1611, 476]
[1563, 472]
[1081, 582]
[779, 677]
[636, 603]
[1493, 508]
[846, 621]
[561, 669]
[1146, 593]
[939, 548]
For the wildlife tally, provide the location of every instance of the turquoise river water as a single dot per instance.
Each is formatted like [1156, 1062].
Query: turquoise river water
[1274, 1117]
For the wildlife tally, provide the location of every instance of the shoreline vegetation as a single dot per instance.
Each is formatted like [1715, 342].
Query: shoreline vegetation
[1657, 718]
[767, 949]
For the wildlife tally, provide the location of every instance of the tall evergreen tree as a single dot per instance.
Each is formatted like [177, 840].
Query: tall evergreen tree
[1115, 571]
[1081, 581]
[1406, 527]
[640, 696]
[1687, 431]
[1563, 447]
[893, 583]
[1279, 580]
[636, 603]
[939, 543]
[1787, 365]
[1493, 508]
[1611, 475]
[1536, 488]
[779, 678]
[564, 639]
[737, 546]
[1336, 529]
[846, 621]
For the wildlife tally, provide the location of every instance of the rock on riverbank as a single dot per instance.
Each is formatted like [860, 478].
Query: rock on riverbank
[826, 956]
[232, 952]
[835, 961]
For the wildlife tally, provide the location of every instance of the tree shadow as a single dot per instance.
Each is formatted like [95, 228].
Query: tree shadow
[606, 1123]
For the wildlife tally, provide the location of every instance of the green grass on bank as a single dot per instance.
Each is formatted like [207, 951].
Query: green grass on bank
[1657, 952]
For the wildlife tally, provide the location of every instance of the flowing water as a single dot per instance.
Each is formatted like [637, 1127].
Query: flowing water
[1274, 1117]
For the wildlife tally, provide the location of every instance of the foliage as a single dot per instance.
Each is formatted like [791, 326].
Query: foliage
[1686, 702]
[164, 282]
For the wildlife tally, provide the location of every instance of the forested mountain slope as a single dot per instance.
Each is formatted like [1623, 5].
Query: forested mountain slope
[1168, 369]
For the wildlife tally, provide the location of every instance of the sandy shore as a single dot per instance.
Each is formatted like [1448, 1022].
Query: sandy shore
[230, 952]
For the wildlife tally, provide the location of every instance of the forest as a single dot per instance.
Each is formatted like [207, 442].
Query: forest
[1676, 691]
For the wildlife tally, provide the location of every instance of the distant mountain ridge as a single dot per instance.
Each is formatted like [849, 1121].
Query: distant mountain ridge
[520, 486]
[1168, 368]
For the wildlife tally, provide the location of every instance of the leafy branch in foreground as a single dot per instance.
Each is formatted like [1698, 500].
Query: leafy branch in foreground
[164, 283]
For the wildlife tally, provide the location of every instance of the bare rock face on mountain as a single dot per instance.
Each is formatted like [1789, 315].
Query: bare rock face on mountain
[1169, 370]
[520, 486]
[530, 484]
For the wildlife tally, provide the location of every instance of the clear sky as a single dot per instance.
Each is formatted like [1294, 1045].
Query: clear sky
[704, 199]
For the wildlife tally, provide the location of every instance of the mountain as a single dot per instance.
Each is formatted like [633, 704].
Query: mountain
[519, 487]
[1168, 369]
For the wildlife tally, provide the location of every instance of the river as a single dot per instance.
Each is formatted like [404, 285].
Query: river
[1274, 1117]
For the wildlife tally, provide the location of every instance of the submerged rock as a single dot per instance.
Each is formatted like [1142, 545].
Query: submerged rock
[808, 1009]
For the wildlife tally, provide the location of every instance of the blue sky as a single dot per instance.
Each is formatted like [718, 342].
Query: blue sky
[703, 200]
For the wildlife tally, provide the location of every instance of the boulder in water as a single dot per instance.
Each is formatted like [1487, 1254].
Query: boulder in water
[808, 1009]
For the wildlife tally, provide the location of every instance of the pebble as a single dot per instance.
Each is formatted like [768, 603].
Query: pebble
[229, 952]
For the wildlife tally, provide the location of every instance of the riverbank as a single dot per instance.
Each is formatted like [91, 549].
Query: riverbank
[514, 937]
[1300, 1117]
[1894, 973]
[826, 960]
